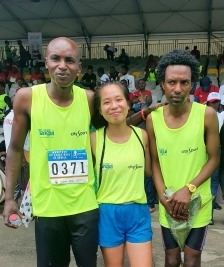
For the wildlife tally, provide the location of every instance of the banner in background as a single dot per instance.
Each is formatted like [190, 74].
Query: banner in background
[35, 44]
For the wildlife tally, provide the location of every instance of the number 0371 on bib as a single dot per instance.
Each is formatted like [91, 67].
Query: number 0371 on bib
[68, 166]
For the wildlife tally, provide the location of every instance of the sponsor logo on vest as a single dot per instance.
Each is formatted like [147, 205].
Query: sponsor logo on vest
[189, 150]
[135, 167]
[46, 133]
[163, 152]
[79, 133]
[107, 166]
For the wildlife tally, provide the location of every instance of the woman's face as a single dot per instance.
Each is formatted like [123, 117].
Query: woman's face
[113, 104]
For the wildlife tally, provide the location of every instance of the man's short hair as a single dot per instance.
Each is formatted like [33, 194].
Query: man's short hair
[141, 80]
[125, 67]
[100, 70]
[90, 67]
[178, 57]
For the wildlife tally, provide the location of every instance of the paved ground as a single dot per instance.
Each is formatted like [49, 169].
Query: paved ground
[17, 246]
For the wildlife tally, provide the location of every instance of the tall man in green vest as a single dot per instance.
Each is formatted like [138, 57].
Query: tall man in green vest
[184, 146]
[58, 117]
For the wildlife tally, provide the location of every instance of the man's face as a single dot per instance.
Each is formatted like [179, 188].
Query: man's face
[177, 84]
[141, 85]
[112, 71]
[90, 71]
[124, 71]
[62, 62]
[14, 69]
[20, 81]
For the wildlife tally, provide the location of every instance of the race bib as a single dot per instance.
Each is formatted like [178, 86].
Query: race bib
[68, 166]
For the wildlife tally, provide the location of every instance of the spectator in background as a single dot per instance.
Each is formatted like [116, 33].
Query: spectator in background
[213, 101]
[41, 80]
[202, 92]
[7, 67]
[4, 100]
[15, 87]
[151, 62]
[8, 52]
[110, 50]
[187, 49]
[2, 76]
[38, 73]
[89, 78]
[123, 58]
[39, 62]
[78, 83]
[129, 78]
[14, 75]
[113, 74]
[195, 52]
[23, 55]
[142, 98]
[103, 77]
[150, 74]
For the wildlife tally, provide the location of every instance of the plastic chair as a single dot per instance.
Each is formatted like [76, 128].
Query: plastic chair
[47, 76]
[136, 74]
[80, 75]
[154, 99]
[213, 72]
[27, 77]
[150, 85]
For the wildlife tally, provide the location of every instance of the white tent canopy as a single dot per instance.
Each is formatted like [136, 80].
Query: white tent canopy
[94, 18]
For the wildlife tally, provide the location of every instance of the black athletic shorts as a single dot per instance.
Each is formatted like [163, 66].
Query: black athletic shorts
[195, 239]
[55, 236]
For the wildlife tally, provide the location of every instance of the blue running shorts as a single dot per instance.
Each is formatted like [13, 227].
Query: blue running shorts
[119, 223]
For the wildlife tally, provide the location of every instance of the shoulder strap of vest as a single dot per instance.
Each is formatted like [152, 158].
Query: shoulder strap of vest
[140, 141]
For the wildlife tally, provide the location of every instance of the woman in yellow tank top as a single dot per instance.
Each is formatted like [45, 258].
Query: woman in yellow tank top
[121, 158]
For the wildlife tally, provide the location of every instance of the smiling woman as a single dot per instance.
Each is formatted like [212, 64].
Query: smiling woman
[121, 159]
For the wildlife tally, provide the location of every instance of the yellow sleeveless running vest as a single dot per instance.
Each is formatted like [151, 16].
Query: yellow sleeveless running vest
[182, 154]
[2, 104]
[123, 170]
[55, 128]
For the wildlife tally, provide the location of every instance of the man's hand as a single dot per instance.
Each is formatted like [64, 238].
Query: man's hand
[184, 216]
[10, 208]
[179, 201]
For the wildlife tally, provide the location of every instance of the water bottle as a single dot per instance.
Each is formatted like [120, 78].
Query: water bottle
[15, 220]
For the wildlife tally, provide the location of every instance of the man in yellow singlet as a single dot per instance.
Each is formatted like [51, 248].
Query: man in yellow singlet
[184, 146]
[58, 116]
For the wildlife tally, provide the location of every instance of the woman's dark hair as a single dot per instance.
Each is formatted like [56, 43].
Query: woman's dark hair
[98, 120]
[178, 57]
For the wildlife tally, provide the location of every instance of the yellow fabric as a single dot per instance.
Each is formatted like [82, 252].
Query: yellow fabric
[123, 170]
[182, 154]
[2, 102]
[152, 77]
[59, 128]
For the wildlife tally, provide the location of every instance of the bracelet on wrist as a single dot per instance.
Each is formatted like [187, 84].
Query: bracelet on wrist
[143, 115]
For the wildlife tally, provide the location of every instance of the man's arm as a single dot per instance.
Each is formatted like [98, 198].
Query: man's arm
[20, 127]
[156, 170]
[181, 198]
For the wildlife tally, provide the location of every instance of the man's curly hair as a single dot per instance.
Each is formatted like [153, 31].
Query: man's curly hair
[178, 57]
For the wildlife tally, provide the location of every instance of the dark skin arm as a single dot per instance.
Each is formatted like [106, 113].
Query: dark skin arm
[20, 127]
[181, 198]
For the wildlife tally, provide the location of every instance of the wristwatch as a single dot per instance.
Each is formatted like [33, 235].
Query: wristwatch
[192, 188]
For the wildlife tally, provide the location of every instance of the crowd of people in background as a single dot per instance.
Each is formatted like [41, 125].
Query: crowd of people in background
[135, 98]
